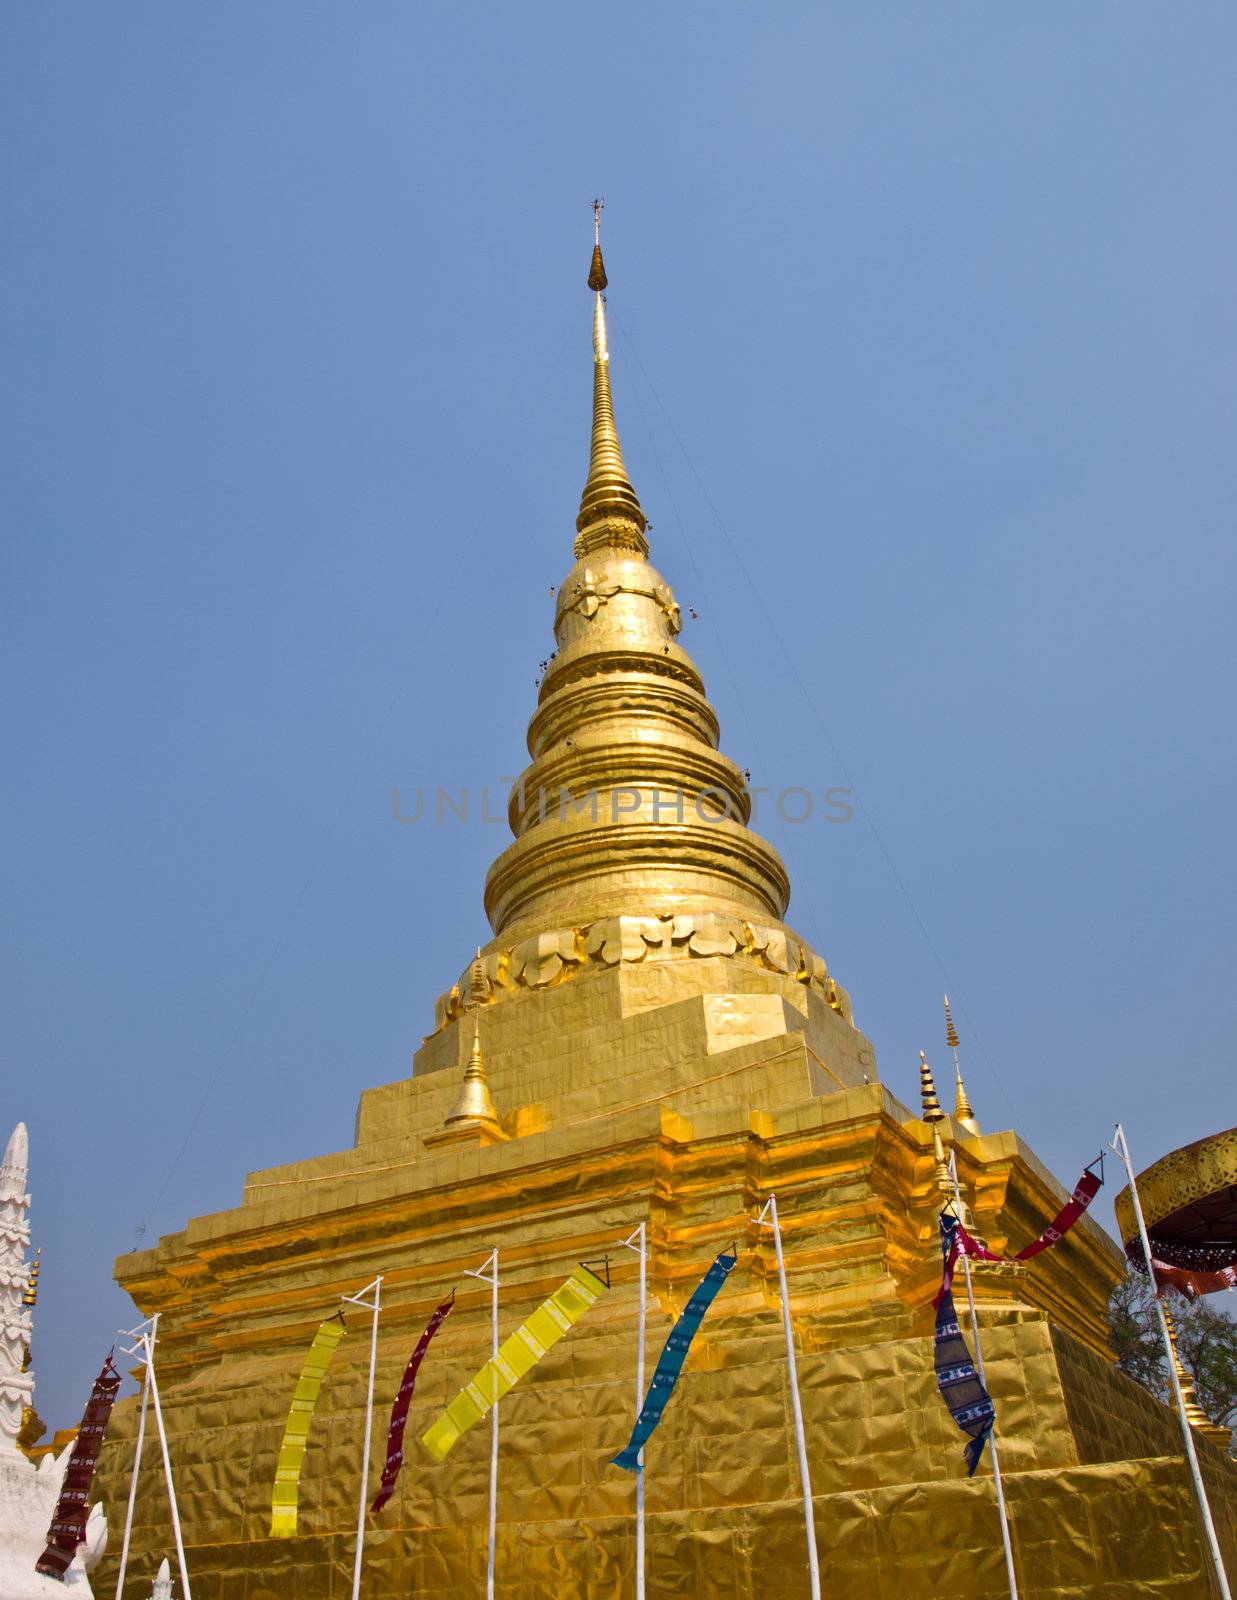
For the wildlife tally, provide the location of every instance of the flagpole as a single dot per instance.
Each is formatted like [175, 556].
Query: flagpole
[359, 1299]
[979, 1362]
[805, 1480]
[1121, 1147]
[489, 1274]
[132, 1333]
[147, 1344]
[641, 1249]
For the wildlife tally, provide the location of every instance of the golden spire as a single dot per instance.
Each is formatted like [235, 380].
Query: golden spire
[478, 987]
[951, 1033]
[610, 512]
[964, 1116]
[1195, 1415]
[927, 1092]
[628, 808]
[934, 1116]
[473, 1107]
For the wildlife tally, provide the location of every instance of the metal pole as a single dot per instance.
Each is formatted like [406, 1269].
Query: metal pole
[489, 1576]
[805, 1480]
[489, 1274]
[167, 1468]
[979, 1362]
[641, 1249]
[375, 1289]
[137, 1456]
[1121, 1147]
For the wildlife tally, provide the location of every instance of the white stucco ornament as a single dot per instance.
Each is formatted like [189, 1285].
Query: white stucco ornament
[28, 1490]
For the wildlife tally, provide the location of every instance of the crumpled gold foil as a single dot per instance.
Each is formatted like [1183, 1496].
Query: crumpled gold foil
[641, 1106]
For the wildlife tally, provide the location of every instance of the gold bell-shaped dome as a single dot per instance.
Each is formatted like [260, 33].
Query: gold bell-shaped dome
[474, 1105]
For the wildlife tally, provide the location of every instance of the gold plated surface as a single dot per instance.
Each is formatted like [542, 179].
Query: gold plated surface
[1182, 1178]
[854, 1174]
[855, 1183]
[628, 808]
[610, 512]
[1195, 1415]
[659, 1048]
[558, 955]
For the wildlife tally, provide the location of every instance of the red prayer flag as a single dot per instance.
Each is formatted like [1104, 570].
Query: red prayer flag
[68, 1528]
[399, 1411]
[1085, 1190]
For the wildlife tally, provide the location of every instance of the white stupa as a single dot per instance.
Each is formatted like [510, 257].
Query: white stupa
[28, 1491]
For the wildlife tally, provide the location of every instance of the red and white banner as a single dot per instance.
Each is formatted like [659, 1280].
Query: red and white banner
[1085, 1190]
[68, 1528]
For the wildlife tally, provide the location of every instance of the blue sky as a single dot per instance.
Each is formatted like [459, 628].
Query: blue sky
[924, 353]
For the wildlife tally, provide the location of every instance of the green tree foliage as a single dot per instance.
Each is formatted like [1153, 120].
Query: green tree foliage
[1134, 1334]
[1206, 1343]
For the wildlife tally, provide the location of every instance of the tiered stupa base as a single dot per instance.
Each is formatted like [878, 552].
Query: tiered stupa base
[681, 1092]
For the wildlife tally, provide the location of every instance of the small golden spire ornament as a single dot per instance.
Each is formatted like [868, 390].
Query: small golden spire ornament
[478, 986]
[934, 1116]
[31, 1293]
[927, 1092]
[474, 1107]
[964, 1116]
[951, 1033]
[1195, 1415]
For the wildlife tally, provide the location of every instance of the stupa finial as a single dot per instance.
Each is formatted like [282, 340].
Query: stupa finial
[927, 1092]
[610, 511]
[597, 279]
[951, 1033]
[478, 987]
[964, 1116]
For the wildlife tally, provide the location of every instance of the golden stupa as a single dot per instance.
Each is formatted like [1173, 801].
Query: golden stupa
[645, 1039]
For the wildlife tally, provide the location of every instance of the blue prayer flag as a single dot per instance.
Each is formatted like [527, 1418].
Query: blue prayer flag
[671, 1361]
[970, 1404]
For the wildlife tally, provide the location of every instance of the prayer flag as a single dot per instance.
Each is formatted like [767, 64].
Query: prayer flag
[519, 1354]
[68, 1527]
[962, 1244]
[296, 1433]
[969, 1403]
[399, 1411]
[670, 1363]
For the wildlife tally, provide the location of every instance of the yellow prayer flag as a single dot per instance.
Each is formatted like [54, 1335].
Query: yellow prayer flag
[296, 1433]
[518, 1355]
